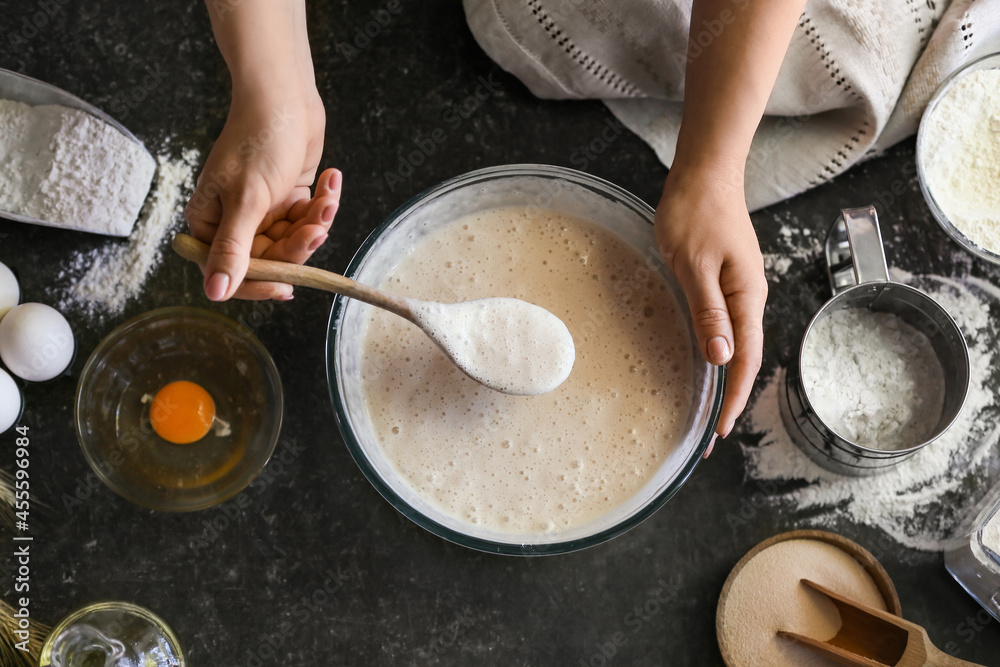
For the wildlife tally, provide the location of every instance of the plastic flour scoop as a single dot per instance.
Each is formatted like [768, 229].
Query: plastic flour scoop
[20, 88]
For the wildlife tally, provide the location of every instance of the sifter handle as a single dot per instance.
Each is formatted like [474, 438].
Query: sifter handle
[854, 252]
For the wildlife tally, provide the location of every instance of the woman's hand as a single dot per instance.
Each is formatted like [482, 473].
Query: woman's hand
[704, 232]
[252, 197]
[255, 185]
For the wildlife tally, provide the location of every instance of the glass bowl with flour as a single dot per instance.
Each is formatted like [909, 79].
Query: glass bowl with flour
[958, 157]
[511, 474]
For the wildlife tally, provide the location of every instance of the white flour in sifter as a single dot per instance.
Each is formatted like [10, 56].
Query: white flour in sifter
[961, 156]
[873, 378]
[920, 501]
[66, 167]
[104, 279]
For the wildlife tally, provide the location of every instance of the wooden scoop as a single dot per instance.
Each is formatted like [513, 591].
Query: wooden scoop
[869, 637]
[478, 344]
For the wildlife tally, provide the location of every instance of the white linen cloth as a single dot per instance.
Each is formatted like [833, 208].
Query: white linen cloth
[855, 79]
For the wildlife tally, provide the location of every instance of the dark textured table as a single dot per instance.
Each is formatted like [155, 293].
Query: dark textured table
[311, 566]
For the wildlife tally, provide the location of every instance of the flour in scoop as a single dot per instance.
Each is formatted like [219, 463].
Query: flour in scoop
[506, 344]
[68, 168]
[873, 378]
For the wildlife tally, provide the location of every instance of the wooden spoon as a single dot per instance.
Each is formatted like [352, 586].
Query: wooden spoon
[508, 345]
[870, 637]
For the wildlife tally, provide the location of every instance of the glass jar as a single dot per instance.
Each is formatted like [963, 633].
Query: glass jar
[112, 634]
[973, 559]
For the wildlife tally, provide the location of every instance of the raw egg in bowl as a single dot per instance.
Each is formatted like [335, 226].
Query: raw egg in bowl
[179, 409]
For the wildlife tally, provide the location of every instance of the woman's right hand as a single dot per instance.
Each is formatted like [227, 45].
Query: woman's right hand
[259, 170]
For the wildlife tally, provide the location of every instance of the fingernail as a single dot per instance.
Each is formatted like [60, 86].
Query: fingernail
[285, 297]
[216, 286]
[317, 242]
[711, 445]
[729, 429]
[328, 213]
[718, 350]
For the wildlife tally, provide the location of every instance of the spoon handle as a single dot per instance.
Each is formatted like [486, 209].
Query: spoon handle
[304, 276]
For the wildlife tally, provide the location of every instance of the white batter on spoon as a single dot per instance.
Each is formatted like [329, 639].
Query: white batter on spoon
[506, 344]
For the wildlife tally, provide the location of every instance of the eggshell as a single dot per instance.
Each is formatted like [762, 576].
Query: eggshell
[10, 292]
[10, 401]
[36, 342]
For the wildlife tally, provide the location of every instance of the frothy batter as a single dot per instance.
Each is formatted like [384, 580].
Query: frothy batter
[540, 464]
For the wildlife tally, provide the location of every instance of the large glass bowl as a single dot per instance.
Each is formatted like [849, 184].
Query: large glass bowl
[984, 63]
[553, 188]
[140, 357]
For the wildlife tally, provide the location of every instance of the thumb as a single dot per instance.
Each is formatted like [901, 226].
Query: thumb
[230, 253]
[713, 325]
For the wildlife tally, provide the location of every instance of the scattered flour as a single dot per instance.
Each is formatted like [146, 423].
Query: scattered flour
[873, 378]
[795, 242]
[961, 157]
[68, 168]
[920, 501]
[106, 278]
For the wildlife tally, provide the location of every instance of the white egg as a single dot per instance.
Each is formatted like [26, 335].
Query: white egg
[10, 401]
[10, 293]
[36, 342]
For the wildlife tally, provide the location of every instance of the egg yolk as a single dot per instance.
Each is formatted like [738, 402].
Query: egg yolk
[182, 412]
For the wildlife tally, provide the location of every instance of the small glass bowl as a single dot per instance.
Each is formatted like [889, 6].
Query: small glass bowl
[121, 631]
[545, 187]
[133, 363]
[987, 62]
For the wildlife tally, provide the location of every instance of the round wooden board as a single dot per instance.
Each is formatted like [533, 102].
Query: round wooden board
[860, 554]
